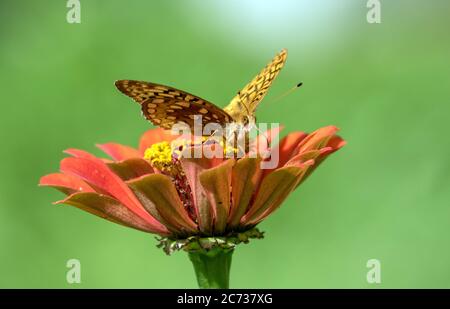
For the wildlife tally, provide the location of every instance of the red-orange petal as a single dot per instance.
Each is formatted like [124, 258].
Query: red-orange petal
[65, 183]
[216, 182]
[78, 153]
[286, 149]
[96, 172]
[242, 186]
[334, 144]
[288, 144]
[316, 140]
[153, 136]
[302, 157]
[159, 196]
[131, 168]
[192, 168]
[119, 152]
[262, 142]
[108, 208]
[273, 191]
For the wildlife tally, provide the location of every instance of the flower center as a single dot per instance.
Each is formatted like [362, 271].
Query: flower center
[165, 157]
[160, 156]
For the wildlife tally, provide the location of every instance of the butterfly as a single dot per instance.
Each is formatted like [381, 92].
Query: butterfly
[165, 106]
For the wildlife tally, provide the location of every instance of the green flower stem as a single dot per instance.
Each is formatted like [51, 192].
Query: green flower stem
[212, 267]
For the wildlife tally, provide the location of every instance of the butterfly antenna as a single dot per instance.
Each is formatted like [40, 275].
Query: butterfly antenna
[276, 99]
[286, 93]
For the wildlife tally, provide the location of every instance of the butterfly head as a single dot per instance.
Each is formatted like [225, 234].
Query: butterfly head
[240, 113]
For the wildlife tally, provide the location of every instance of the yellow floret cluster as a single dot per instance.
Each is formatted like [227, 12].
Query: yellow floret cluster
[160, 156]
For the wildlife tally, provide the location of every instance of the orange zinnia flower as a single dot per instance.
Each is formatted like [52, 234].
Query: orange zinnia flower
[186, 201]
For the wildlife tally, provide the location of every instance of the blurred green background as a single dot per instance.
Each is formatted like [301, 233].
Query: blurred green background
[387, 86]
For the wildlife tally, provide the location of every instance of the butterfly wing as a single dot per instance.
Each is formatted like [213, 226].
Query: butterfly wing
[164, 106]
[245, 102]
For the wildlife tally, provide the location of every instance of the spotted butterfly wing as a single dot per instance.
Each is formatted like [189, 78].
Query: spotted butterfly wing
[245, 102]
[164, 106]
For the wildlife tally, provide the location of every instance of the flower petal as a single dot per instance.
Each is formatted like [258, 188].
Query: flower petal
[131, 168]
[316, 140]
[192, 167]
[242, 188]
[288, 144]
[77, 153]
[261, 143]
[153, 136]
[216, 182]
[159, 196]
[285, 150]
[65, 183]
[119, 152]
[273, 191]
[303, 157]
[334, 144]
[108, 208]
[96, 172]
